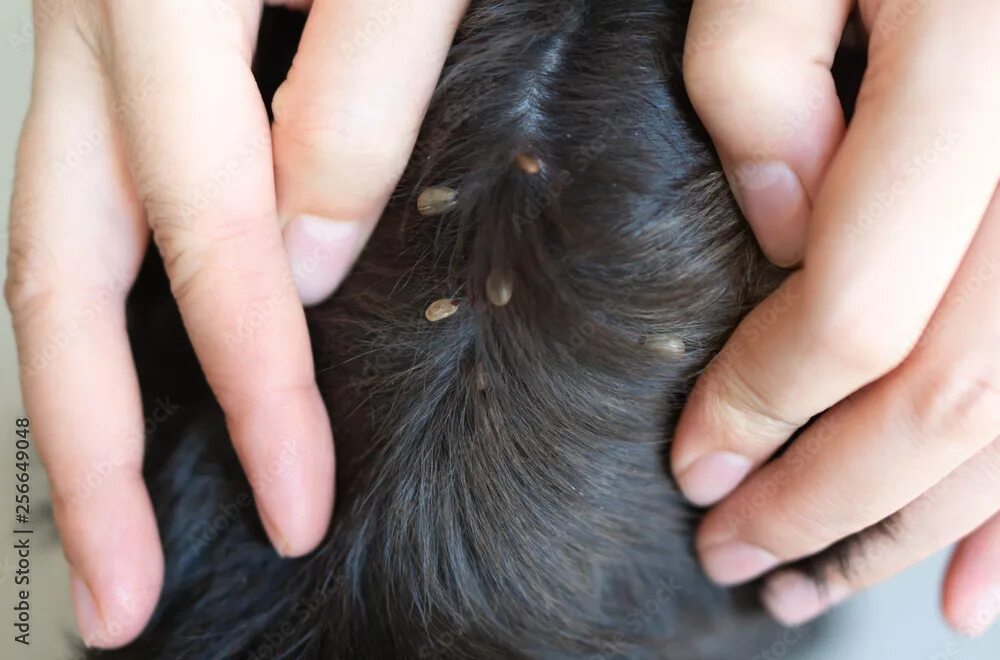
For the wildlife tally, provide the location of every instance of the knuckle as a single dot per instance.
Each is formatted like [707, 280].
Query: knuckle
[750, 409]
[65, 501]
[184, 256]
[862, 340]
[221, 226]
[334, 134]
[218, 198]
[959, 400]
[304, 118]
[26, 295]
[201, 258]
[32, 280]
[168, 211]
[63, 504]
[990, 461]
[702, 82]
[191, 258]
[283, 103]
[242, 399]
[720, 63]
[807, 525]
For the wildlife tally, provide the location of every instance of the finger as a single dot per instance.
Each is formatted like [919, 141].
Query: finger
[899, 208]
[346, 121]
[202, 163]
[76, 243]
[918, 424]
[971, 598]
[951, 510]
[758, 73]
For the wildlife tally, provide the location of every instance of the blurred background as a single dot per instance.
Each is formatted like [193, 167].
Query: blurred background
[899, 620]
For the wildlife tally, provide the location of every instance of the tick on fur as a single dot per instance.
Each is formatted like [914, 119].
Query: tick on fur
[670, 346]
[436, 200]
[441, 309]
[528, 164]
[499, 288]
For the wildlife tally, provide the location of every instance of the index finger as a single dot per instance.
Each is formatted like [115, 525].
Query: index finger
[201, 160]
[902, 201]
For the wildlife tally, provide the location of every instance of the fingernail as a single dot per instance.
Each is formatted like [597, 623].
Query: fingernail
[776, 206]
[736, 562]
[88, 617]
[321, 252]
[982, 617]
[713, 476]
[793, 599]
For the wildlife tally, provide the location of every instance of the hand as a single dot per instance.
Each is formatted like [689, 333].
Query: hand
[893, 321]
[145, 120]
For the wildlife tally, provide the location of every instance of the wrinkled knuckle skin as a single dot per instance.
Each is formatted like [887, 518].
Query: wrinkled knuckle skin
[24, 294]
[31, 266]
[757, 413]
[959, 396]
[31, 282]
[187, 259]
[192, 253]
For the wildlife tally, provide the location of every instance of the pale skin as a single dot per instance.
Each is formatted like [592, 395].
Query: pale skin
[891, 321]
[167, 137]
[145, 122]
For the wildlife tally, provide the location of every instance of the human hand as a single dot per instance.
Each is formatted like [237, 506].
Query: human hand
[893, 320]
[145, 120]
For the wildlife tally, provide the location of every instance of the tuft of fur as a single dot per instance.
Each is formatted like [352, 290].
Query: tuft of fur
[502, 481]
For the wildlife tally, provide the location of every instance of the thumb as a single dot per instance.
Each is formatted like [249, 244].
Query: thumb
[758, 74]
[345, 122]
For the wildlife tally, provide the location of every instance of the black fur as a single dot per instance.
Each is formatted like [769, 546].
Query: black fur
[502, 484]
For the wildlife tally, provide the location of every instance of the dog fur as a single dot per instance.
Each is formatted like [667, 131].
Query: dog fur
[503, 489]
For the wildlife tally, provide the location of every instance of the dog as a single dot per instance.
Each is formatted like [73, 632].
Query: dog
[503, 370]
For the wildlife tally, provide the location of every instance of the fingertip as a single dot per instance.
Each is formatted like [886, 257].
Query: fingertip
[293, 479]
[972, 614]
[118, 614]
[776, 205]
[112, 545]
[321, 251]
[970, 597]
[297, 523]
[113, 601]
[793, 599]
[713, 476]
[730, 563]
[293, 538]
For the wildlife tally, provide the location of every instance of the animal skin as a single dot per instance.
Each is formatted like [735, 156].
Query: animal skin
[503, 370]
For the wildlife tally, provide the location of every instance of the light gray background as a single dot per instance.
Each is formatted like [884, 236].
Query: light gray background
[896, 621]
